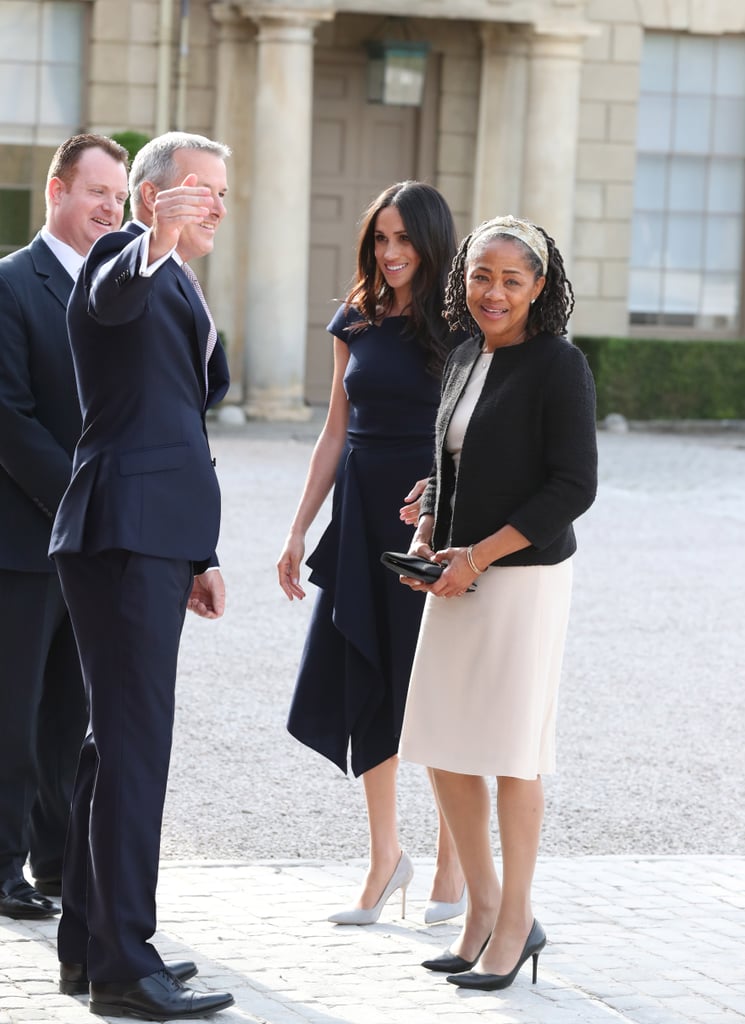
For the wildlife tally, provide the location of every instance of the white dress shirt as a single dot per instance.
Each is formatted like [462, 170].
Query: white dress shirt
[71, 260]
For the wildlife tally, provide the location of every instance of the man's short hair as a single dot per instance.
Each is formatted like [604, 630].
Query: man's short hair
[64, 163]
[155, 163]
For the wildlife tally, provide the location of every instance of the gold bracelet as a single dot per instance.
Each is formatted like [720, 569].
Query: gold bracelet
[471, 563]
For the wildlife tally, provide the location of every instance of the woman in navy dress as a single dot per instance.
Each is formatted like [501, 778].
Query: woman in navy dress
[390, 342]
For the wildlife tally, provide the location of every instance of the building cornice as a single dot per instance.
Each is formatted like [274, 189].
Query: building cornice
[563, 17]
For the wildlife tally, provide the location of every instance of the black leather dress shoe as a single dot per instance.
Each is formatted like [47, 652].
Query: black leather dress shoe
[48, 886]
[20, 900]
[160, 996]
[73, 978]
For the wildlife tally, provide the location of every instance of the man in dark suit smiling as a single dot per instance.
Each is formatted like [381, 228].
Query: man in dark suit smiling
[134, 541]
[42, 703]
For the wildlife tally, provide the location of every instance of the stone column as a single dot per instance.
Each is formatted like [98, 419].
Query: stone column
[503, 96]
[279, 222]
[227, 267]
[551, 133]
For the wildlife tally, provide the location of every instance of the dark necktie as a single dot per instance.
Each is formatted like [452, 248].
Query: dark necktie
[212, 336]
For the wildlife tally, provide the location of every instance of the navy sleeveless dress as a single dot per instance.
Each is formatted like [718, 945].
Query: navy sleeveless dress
[355, 666]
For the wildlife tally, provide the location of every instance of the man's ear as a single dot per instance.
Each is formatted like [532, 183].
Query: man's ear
[55, 189]
[148, 192]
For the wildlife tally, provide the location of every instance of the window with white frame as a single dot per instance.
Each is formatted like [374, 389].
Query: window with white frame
[40, 70]
[689, 191]
[41, 88]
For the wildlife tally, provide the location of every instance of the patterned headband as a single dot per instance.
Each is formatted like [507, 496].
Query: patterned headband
[522, 229]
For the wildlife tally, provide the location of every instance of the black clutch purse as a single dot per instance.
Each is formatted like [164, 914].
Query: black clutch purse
[411, 565]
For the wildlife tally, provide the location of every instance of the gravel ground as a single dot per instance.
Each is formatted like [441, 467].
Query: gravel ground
[652, 705]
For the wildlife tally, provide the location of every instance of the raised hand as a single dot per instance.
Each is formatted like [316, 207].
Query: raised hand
[173, 210]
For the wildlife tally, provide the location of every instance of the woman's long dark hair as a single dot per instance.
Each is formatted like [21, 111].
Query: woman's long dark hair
[551, 310]
[429, 225]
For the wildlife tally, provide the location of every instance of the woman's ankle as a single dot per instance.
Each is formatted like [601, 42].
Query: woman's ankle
[447, 883]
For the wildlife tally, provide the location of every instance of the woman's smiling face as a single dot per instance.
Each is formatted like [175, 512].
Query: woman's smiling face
[395, 255]
[500, 286]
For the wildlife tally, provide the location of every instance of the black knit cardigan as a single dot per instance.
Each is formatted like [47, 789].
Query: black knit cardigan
[529, 455]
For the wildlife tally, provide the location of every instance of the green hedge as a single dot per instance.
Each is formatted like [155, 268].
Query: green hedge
[133, 143]
[646, 379]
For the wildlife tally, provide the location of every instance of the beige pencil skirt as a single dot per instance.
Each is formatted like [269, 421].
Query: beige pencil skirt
[485, 680]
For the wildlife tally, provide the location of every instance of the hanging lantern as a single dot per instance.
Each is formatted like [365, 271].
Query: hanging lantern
[396, 73]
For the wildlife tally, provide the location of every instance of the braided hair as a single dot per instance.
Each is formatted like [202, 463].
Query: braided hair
[552, 308]
[430, 227]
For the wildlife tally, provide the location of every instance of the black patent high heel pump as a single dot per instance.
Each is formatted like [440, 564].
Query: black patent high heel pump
[489, 982]
[451, 963]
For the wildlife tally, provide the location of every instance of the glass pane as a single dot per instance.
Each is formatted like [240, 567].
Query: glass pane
[719, 296]
[647, 240]
[694, 70]
[684, 242]
[60, 95]
[729, 126]
[680, 293]
[687, 183]
[726, 186]
[688, 231]
[19, 30]
[18, 93]
[723, 243]
[15, 214]
[62, 32]
[730, 70]
[654, 123]
[692, 133]
[645, 291]
[658, 62]
[650, 182]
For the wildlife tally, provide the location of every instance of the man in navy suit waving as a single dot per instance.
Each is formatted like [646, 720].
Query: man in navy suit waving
[42, 703]
[134, 543]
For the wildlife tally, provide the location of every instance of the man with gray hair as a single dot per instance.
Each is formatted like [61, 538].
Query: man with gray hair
[134, 543]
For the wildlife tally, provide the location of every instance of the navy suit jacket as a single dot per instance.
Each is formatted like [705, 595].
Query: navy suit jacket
[143, 478]
[39, 410]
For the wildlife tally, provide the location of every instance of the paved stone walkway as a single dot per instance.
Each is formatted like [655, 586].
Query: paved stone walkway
[651, 763]
[648, 940]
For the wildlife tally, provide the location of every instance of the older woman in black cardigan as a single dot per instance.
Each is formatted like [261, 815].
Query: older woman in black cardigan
[516, 464]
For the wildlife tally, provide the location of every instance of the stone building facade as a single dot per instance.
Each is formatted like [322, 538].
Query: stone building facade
[619, 125]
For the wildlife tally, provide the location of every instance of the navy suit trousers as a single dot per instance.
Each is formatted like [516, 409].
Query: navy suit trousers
[128, 613]
[42, 722]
